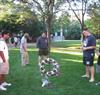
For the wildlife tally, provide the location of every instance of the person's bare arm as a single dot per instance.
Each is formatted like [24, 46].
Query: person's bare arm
[88, 48]
[2, 56]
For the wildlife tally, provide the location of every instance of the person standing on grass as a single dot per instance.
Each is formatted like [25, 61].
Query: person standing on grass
[89, 46]
[23, 50]
[42, 45]
[4, 60]
[98, 53]
[98, 64]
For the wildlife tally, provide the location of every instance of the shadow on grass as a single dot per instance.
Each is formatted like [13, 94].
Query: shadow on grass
[27, 80]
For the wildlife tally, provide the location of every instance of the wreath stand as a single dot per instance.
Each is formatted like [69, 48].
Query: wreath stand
[47, 73]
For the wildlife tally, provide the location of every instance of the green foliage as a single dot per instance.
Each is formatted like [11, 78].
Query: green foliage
[94, 22]
[94, 26]
[79, 8]
[17, 18]
[61, 23]
[66, 44]
[74, 31]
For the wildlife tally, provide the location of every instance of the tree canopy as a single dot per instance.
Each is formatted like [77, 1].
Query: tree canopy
[35, 16]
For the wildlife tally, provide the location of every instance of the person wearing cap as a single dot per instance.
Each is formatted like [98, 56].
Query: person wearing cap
[23, 50]
[4, 60]
[88, 48]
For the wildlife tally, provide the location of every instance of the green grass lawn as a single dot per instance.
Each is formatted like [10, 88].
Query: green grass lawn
[68, 43]
[27, 80]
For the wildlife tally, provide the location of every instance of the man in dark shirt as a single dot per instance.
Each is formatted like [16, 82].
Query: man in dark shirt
[42, 44]
[89, 45]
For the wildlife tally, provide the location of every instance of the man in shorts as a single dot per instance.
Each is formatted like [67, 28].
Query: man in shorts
[89, 46]
[42, 45]
[4, 58]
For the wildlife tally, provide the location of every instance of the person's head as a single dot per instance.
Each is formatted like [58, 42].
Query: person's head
[85, 32]
[44, 35]
[5, 34]
[26, 35]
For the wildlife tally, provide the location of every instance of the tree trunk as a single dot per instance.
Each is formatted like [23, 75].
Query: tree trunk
[49, 21]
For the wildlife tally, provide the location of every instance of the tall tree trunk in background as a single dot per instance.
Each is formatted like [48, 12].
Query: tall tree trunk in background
[82, 25]
[83, 10]
[49, 17]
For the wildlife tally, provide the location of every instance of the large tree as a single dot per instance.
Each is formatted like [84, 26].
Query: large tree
[94, 22]
[19, 17]
[61, 23]
[46, 9]
[79, 8]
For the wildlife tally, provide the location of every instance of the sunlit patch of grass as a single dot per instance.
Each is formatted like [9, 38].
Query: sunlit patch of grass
[73, 60]
[29, 49]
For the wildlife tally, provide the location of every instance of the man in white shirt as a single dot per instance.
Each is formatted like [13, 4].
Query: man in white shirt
[4, 58]
[23, 50]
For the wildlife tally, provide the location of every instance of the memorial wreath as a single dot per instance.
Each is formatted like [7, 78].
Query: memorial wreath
[55, 67]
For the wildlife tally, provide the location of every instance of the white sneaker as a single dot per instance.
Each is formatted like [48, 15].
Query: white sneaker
[91, 80]
[3, 88]
[85, 76]
[6, 84]
[45, 83]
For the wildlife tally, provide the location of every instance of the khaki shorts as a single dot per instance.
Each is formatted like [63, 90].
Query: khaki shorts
[25, 58]
[43, 52]
[4, 68]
